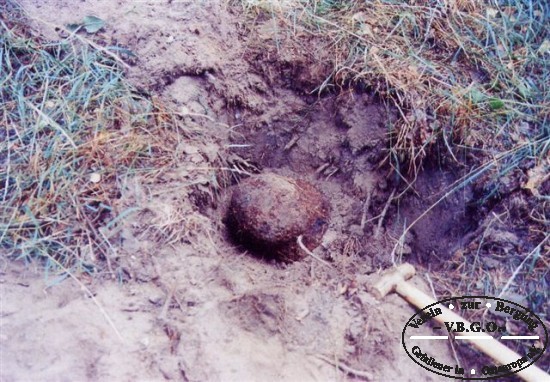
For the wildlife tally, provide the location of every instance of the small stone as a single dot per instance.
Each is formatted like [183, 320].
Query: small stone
[329, 238]
[95, 177]
[268, 212]
[144, 342]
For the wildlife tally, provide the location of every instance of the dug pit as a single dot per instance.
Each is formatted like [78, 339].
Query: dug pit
[339, 142]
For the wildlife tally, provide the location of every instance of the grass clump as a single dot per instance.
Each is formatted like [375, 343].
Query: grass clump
[465, 73]
[71, 130]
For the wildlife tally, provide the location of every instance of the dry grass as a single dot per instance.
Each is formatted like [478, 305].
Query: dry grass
[72, 132]
[459, 72]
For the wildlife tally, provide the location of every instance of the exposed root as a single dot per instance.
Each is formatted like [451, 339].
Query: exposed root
[304, 248]
[383, 215]
[346, 369]
[90, 295]
[366, 209]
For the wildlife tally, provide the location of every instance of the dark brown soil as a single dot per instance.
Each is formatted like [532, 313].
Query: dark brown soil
[268, 212]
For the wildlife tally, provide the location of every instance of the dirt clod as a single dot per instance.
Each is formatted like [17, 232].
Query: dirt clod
[268, 212]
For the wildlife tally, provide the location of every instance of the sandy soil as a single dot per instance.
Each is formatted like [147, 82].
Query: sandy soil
[187, 304]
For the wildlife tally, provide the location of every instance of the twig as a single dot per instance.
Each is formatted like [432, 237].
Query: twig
[301, 244]
[104, 50]
[189, 114]
[427, 275]
[511, 279]
[322, 168]
[366, 209]
[291, 143]
[383, 215]
[332, 173]
[89, 293]
[345, 368]
[237, 170]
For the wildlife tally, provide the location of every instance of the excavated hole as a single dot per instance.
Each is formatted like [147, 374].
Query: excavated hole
[340, 144]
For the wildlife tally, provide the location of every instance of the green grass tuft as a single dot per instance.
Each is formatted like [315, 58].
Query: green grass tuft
[71, 130]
